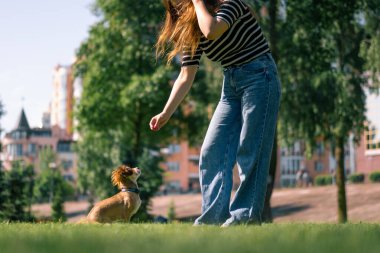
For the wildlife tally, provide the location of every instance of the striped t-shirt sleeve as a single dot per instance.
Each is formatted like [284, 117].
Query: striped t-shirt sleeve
[230, 11]
[187, 60]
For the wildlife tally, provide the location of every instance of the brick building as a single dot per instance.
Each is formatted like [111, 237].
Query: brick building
[24, 143]
[368, 151]
[181, 168]
[292, 159]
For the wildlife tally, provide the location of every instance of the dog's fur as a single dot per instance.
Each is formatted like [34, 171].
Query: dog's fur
[123, 205]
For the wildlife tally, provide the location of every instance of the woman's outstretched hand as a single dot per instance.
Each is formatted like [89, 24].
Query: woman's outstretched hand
[158, 121]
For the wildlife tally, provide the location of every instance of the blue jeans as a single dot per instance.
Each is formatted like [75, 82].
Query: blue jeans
[241, 131]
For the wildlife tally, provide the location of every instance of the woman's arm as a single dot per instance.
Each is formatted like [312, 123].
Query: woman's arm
[180, 88]
[211, 27]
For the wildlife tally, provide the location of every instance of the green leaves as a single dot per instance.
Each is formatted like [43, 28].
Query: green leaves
[321, 70]
[15, 192]
[370, 50]
[123, 88]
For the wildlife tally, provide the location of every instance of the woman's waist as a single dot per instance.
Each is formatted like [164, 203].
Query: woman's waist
[264, 56]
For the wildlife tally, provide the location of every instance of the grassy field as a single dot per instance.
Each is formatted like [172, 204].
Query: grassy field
[183, 238]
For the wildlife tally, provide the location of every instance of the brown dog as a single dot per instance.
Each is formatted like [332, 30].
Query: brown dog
[122, 205]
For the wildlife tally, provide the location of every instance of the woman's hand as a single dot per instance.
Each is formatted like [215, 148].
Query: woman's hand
[159, 121]
[180, 88]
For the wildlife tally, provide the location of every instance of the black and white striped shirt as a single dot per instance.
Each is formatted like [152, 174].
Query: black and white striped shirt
[241, 43]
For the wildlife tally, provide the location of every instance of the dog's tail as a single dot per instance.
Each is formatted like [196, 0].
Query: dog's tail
[82, 221]
[120, 174]
[86, 221]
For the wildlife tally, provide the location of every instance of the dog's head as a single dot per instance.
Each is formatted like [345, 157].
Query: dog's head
[124, 173]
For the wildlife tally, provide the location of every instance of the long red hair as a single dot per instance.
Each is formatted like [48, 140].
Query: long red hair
[181, 30]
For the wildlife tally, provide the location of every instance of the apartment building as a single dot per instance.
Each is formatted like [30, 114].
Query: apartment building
[24, 143]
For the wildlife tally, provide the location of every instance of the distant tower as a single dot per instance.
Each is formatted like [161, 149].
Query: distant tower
[62, 103]
[22, 123]
[77, 96]
[46, 119]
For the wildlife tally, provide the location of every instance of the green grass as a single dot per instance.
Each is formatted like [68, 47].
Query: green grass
[183, 238]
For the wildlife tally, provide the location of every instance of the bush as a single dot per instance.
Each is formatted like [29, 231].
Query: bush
[151, 179]
[356, 178]
[58, 213]
[171, 212]
[375, 177]
[15, 193]
[323, 180]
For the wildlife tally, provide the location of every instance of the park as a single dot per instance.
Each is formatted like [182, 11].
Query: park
[321, 192]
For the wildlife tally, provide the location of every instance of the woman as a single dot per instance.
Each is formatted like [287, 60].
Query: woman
[243, 125]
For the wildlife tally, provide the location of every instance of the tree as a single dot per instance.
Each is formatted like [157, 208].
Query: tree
[2, 112]
[17, 184]
[29, 177]
[43, 188]
[323, 79]
[149, 182]
[4, 196]
[50, 185]
[123, 87]
[171, 212]
[370, 48]
[270, 27]
[267, 13]
[58, 214]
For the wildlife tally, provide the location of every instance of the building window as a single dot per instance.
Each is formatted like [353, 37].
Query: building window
[174, 148]
[11, 149]
[63, 147]
[291, 164]
[32, 149]
[19, 150]
[67, 164]
[18, 135]
[174, 186]
[372, 138]
[320, 148]
[318, 166]
[69, 178]
[173, 166]
[44, 133]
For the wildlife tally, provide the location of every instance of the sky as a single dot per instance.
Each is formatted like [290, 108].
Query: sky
[35, 36]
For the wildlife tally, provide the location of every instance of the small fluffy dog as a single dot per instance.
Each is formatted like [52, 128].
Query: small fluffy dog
[123, 205]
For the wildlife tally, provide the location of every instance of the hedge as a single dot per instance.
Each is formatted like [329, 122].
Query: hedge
[356, 178]
[375, 177]
[323, 180]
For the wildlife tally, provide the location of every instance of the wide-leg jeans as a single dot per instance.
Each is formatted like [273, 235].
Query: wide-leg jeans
[241, 132]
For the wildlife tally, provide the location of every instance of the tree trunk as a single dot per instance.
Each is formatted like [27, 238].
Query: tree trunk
[273, 7]
[136, 150]
[340, 180]
[267, 212]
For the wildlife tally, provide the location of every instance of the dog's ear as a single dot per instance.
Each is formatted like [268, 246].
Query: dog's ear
[117, 175]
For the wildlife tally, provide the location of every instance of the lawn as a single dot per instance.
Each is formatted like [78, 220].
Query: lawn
[183, 238]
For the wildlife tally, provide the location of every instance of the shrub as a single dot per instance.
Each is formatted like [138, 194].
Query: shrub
[57, 207]
[356, 178]
[323, 180]
[375, 177]
[171, 212]
[150, 181]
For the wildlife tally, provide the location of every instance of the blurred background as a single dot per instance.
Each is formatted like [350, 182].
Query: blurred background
[79, 82]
